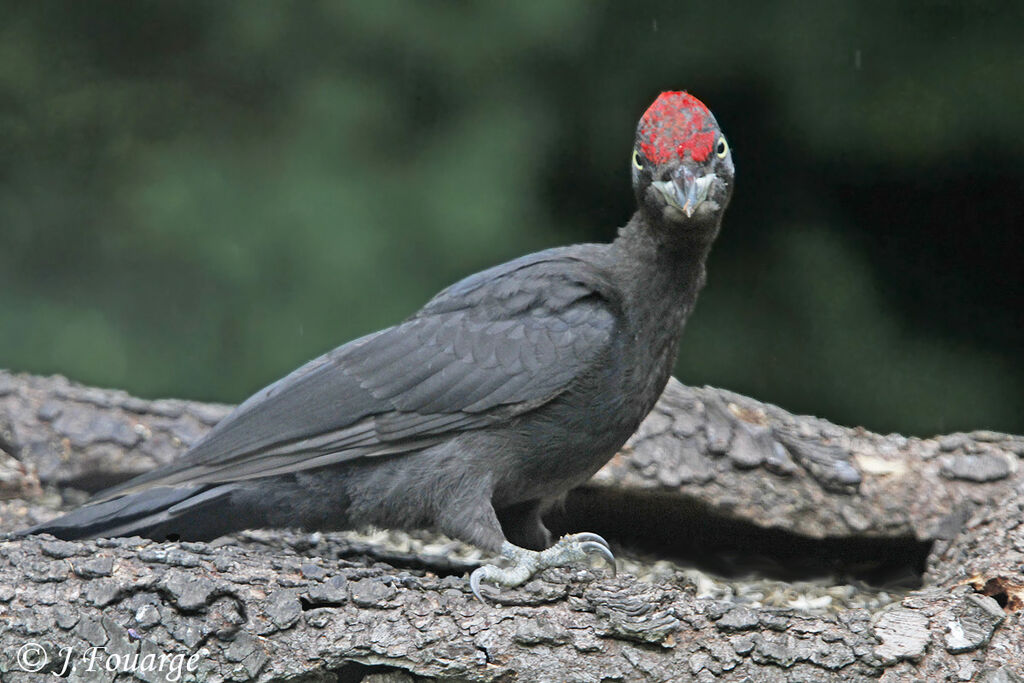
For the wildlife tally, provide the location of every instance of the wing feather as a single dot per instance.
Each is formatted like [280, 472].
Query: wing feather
[495, 345]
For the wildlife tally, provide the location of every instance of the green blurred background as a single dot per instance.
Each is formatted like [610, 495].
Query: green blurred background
[197, 197]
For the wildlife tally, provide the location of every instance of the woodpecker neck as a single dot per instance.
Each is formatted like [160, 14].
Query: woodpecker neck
[678, 252]
[659, 275]
[661, 270]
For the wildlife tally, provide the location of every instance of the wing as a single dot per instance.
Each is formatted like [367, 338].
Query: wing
[491, 347]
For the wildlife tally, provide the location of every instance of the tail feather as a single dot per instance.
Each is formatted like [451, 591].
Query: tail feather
[160, 513]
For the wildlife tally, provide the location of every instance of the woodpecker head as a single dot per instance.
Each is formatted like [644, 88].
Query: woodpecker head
[682, 166]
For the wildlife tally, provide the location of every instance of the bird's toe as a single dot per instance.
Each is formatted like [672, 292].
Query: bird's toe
[525, 563]
[575, 547]
[588, 536]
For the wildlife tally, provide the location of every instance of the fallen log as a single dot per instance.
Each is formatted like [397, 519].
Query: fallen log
[287, 606]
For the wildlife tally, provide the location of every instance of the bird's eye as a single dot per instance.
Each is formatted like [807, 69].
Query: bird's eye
[722, 148]
[637, 161]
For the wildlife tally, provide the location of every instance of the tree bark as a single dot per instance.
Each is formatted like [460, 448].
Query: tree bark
[289, 609]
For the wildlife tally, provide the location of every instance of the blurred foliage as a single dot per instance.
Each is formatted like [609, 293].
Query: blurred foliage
[197, 197]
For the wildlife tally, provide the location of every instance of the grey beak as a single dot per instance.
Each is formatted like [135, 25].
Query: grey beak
[685, 190]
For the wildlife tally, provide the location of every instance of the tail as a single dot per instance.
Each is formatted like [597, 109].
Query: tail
[187, 513]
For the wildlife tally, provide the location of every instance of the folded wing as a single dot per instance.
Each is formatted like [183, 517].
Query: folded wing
[494, 346]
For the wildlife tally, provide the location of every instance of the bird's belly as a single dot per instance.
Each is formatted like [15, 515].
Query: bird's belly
[562, 445]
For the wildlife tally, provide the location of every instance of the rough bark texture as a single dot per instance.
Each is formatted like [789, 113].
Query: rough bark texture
[754, 461]
[289, 609]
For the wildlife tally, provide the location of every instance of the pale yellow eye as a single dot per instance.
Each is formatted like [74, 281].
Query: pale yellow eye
[636, 161]
[722, 148]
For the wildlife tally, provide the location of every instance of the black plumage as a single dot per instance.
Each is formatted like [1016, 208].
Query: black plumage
[478, 412]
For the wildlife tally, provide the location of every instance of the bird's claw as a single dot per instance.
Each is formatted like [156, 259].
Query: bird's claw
[593, 544]
[475, 578]
[526, 563]
[594, 548]
[587, 536]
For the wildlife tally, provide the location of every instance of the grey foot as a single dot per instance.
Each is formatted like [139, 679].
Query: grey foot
[526, 563]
